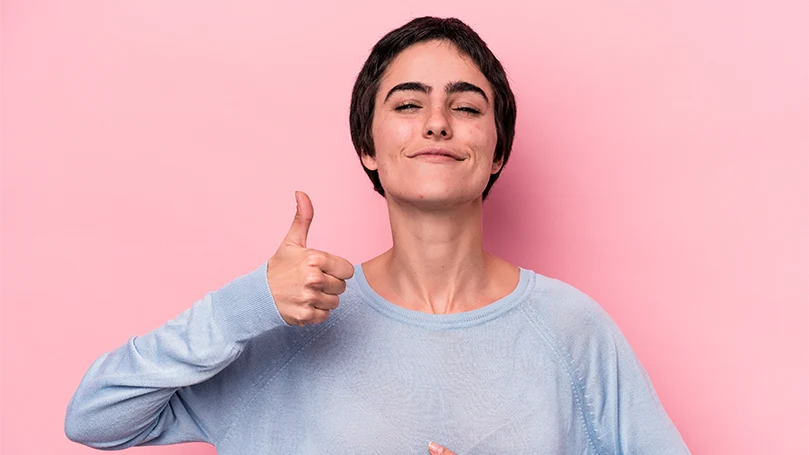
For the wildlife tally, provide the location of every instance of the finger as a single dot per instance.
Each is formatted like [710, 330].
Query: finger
[332, 285]
[436, 449]
[327, 302]
[338, 267]
[319, 316]
[330, 264]
[304, 212]
[315, 279]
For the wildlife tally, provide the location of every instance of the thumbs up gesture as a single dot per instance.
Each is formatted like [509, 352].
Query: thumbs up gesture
[305, 283]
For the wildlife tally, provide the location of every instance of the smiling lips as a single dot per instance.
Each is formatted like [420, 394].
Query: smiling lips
[437, 154]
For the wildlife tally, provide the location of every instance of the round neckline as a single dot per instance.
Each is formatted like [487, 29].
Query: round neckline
[445, 321]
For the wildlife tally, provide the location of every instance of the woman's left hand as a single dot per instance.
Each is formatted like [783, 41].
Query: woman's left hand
[436, 449]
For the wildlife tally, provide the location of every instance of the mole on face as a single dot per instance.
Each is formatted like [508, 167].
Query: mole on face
[421, 196]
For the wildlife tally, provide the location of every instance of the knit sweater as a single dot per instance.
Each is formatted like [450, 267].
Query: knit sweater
[543, 370]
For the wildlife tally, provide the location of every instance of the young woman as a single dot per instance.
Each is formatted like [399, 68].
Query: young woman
[433, 340]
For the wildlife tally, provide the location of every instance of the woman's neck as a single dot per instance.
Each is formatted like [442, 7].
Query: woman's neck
[437, 263]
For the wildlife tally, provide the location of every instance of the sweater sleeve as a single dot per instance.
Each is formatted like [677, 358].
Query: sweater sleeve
[619, 408]
[627, 415]
[165, 387]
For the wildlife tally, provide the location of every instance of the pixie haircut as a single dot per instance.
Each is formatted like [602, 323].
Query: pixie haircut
[418, 30]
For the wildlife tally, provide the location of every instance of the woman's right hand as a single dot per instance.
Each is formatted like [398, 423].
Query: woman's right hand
[305, 283]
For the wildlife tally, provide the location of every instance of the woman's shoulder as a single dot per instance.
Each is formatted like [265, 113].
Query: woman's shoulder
[565, 311]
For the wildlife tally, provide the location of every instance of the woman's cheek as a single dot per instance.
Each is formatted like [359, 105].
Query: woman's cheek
[401, 133]
[483, 140]
[391, 137]
[489, 140]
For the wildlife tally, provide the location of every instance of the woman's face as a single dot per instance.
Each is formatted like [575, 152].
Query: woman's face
[433, 101]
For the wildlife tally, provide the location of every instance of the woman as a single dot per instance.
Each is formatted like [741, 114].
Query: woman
[433, 340]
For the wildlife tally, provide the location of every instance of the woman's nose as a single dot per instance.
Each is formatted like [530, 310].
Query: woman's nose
[437, 124]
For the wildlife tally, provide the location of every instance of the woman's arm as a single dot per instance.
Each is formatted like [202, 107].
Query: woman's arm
[627, 414]
[620, 409]
[142, 392]
[168, 386]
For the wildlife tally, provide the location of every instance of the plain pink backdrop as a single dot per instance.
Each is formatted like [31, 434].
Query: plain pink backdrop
[150, 151]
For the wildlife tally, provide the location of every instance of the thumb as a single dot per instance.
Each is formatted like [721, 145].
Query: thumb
[303, 219]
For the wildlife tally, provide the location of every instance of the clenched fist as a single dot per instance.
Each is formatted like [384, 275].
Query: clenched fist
[305, 283]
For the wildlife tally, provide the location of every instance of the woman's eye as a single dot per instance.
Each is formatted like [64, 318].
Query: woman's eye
[470, 110]
[407, 107]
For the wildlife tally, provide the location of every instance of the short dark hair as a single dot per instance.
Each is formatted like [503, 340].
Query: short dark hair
[418, 30]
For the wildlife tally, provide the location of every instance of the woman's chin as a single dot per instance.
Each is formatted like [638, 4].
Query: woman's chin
[435, 199]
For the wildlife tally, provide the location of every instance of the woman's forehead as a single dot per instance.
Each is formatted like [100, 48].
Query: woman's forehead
[434, 63]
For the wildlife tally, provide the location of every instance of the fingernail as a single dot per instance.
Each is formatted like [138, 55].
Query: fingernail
[297, 198]
[434, 448]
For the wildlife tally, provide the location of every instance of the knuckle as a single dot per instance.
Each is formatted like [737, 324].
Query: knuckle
[305, 314]
[310, 296]
[306, 297]
[314, 278]
[316, 258]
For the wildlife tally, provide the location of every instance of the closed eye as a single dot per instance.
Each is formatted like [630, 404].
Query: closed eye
[407, 107]
[470, 110]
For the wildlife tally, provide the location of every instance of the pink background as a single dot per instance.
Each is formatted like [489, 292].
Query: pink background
[150, 151]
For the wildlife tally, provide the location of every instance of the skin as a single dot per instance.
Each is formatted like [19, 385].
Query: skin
[437, 263]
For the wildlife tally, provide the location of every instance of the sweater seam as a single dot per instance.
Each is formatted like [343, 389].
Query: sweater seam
[480, 316]
[266, 377]
[575, 382]
[452, 325]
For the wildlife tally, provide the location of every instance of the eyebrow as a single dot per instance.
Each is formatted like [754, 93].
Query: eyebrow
[450, 88]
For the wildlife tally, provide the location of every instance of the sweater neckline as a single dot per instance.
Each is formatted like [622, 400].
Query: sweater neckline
[445, 321]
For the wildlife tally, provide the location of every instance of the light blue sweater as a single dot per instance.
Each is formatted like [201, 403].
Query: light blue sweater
[543, 370]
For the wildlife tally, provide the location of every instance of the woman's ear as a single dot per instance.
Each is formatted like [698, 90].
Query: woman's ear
[496, 165]
[369, 162]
